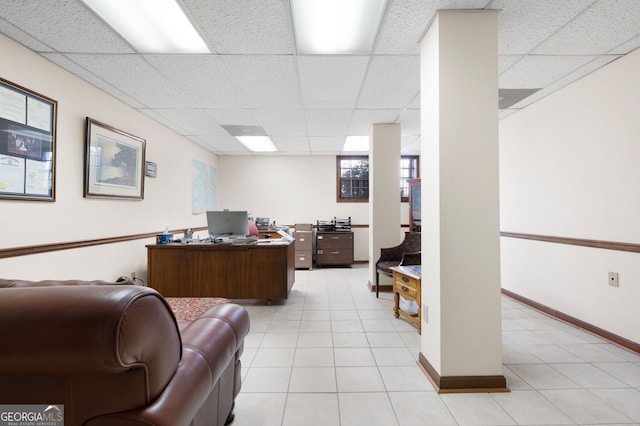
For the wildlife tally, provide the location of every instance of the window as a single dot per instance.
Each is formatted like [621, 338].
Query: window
[409, 166]
[353, 177]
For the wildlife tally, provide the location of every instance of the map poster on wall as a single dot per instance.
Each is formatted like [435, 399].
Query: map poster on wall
[27, 144]
[204, 192]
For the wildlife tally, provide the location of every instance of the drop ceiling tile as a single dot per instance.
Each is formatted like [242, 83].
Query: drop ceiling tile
[22, 37]
[267, 81]
[534, 72]
[324, 153]
[507, 61]
[283, 122]
[296, 153]
[291, 143]
[524, 24]
[221, 143]
[602, 27]
[404, 24]
[151, 113]
[627, 47]
[326, 144]
[244, 26]
[66, 63]
[407, 20]
[135, 77]
[67, 25]
[415, 102]
[325, 122]
[573, 76]
[410, 145]
[331, 81]
[362, 119]
[203, 78]
[193, 121]
[410, 122]
[234, 117]
[391, 82]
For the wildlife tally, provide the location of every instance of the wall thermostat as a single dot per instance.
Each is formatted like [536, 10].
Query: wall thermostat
[151, 169]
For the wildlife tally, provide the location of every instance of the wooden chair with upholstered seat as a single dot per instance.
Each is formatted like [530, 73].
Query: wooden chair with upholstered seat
[408, 252]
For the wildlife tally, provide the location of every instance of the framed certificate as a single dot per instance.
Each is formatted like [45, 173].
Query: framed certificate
[27, 144]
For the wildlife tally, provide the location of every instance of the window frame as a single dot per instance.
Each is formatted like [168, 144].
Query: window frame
[341, 199]
[406, 180]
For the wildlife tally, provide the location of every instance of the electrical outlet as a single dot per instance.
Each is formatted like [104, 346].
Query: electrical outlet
[424, 312]
[133, 275]
[613, 279]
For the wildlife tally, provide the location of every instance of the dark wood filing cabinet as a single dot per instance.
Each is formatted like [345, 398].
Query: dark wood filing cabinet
[334, 248]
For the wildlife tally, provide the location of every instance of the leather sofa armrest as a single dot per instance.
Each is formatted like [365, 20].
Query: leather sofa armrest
[210, 344]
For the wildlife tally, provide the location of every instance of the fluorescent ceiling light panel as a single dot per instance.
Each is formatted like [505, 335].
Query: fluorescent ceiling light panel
[151, 26]
[257, 143]
[336, 26]
[254, 138]
[356, 143]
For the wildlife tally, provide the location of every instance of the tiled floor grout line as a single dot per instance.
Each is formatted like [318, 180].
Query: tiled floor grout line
[321, 295]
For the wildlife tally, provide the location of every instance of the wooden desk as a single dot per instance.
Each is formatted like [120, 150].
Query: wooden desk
[271, 233]
[262, 271]
[407, 282]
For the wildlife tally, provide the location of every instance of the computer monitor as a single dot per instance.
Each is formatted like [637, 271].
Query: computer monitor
[225, 223]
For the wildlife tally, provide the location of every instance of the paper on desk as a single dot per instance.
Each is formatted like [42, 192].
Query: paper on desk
[273, 241]
[285, 235]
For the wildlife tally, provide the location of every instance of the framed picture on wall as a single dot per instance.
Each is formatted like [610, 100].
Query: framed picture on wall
[114, 163]
[27, 144]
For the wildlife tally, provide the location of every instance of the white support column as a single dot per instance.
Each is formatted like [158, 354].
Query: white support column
[461, 330]
[384, 193]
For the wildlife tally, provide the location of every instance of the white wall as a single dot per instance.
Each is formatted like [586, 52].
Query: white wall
[167, 198]
[569, 168]
[292, 190]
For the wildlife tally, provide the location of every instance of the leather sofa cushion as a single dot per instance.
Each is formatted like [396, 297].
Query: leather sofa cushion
[93, 331]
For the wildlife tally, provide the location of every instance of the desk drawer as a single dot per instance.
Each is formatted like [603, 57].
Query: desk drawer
[303, 259]
[303, 241]
[406, 291]
[334, 256]
[332, 241]
[406, 285]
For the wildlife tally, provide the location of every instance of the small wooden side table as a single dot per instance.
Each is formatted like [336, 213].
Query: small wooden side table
[406, 282]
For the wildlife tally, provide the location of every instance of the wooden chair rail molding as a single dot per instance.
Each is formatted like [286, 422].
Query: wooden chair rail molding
[45, 248]
[607, 245]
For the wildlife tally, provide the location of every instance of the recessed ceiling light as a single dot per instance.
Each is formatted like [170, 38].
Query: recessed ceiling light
[151, 26]
[257, 143]
[336, 26]
[356, 143]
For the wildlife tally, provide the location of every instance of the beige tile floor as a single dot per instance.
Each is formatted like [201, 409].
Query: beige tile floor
[333, 354]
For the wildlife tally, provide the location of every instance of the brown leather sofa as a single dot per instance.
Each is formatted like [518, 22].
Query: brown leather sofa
[114, 354]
